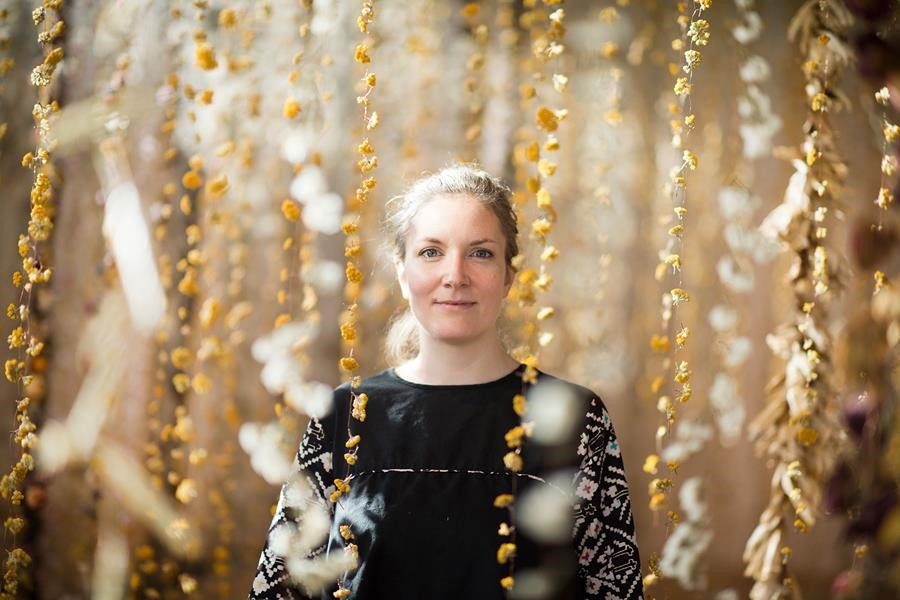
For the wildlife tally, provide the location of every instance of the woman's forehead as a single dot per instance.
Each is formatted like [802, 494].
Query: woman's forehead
[455, 216]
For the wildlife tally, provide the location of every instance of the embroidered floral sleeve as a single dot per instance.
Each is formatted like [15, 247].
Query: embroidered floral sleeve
[314, 461]
[603, 533]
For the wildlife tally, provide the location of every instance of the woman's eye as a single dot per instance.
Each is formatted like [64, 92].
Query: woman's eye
[428, 252]
[482, 253]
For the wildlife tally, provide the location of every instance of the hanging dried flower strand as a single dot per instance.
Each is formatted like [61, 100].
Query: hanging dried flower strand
[799, 430]
[366, 164]
[695, 34]
[27, 368]
[473, 84]
[546, 46]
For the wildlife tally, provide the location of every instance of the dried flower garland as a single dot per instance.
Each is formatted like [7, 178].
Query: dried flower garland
[26, 370]
[799, 429]
[473, 84]
[695, 34]
[352, 251]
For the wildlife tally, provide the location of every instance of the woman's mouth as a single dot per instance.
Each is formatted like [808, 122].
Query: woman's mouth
[456, 304]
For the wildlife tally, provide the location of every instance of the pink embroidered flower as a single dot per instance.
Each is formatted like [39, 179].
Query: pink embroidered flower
[592, 585]
[586, 489]
[593, 529]
[586, 556]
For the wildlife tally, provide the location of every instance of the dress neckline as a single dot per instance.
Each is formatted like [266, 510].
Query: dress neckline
[515, 373]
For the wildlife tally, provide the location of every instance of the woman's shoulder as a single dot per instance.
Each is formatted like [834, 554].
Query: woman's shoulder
[549, 381]
[380, 379]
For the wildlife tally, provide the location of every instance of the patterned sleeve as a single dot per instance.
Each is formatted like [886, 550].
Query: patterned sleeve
[609, 565]
[314, 461]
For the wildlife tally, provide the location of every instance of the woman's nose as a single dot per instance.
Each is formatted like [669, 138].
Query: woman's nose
[455, 273]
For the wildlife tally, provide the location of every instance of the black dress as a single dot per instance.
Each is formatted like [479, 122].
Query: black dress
[421, 500]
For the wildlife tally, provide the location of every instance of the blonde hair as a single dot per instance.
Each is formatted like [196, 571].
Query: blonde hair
[402, 339]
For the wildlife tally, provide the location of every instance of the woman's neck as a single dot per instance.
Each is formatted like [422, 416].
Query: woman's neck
[443, 364]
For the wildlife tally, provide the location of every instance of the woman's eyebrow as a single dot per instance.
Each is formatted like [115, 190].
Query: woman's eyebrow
[431, 240]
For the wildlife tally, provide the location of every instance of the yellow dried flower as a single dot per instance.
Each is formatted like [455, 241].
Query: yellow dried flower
[181, 358]
[290, 209]
[353, 441]
[181, 383]
[343, 592]
[549, 253]
[699, 32]
[505, 552]
[609, 14]
[533, 152]
[888, 165]
[348, 332]
[885, 198]
[807, 436]
[679, 296]
[218, 186]
[348, 363]
[546, 167]
[205, 56]
[880, 280]
[547, 119]
[676, 230]
[360, 401]
[609, 49]
[704, 4]
[682, 87]
[14, 369]
[192, 180]
[659, 343]
[350, 458]
[361, 55]
[819, 102]
[227, 18]
[513, 461]
[519, 404]
[291, 108]
[545, 313]
[201, 383]
[692, 60]
[16, 338]
[689, 159]
[373, 121]
[560, 82]
[504, 500]
[543, 199]
[685, 393]
[514, 436]
[541, 227]
[650, 464]
[683, 372]
[345, 532]
[681, 336]
[354, 275]
[891, 132]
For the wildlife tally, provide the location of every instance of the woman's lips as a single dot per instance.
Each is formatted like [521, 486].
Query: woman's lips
[456, 304]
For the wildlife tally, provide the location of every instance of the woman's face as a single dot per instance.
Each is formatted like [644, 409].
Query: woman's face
[454, 273]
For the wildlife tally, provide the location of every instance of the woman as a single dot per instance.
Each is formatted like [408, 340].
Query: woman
[416, 509]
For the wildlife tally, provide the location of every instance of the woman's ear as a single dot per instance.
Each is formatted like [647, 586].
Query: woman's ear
[400, 269]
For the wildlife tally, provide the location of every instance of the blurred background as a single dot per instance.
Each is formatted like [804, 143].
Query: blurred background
[176, 175]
